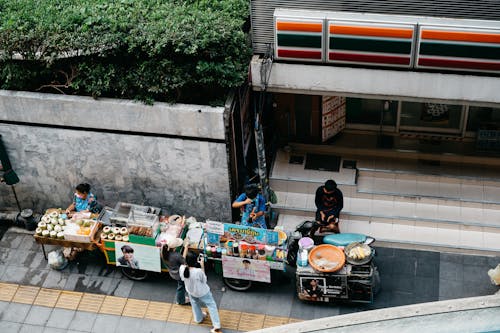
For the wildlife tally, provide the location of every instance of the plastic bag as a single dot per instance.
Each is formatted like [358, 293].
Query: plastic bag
[57, 260]
[494, 275]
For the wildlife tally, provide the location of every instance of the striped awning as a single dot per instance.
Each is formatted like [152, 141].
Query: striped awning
[370, 43]
[458, 48]
[299, 39]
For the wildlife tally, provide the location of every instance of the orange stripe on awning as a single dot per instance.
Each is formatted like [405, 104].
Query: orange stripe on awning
[461, 36]
[299, 26]
[371, 31]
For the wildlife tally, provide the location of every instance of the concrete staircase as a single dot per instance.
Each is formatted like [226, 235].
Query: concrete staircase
[434, 206]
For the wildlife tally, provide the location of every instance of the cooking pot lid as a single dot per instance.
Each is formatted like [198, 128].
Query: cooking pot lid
[343, 239]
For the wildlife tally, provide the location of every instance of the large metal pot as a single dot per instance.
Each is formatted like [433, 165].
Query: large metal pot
[356, 261]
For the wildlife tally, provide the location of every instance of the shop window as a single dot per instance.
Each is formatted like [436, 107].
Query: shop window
[480, 117]
[431, 115]
[369, 111]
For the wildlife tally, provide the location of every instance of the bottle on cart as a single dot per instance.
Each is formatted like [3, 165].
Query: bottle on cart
[302, 260]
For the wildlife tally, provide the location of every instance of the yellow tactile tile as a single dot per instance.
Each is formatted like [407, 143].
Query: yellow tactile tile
[135, 308]
[69, 300]
[271, 321]
[47, 297]
[251, 321]
[294, 320]
[26, 294]
[180, 314]
[158, 311]
[229, 319]
[7, 291]
[113, 305]
[206, 322]
[91, 302]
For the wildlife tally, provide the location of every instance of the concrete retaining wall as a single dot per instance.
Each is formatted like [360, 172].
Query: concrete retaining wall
[170, 156]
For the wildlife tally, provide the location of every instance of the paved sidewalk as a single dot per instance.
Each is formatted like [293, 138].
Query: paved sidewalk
[408, 277]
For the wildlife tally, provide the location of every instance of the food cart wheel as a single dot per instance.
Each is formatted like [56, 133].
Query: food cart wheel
[134, 274]
[238, 284]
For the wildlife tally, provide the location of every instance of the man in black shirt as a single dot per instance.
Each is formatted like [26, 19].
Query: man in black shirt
[329, 202]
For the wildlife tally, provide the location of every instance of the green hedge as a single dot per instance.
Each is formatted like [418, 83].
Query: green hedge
[170, 50]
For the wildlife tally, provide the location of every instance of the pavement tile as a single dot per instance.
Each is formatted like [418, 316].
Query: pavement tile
[11, 240]
[83, 321]
[4, 255]
[91, 302]
[35, 277]
[251, 321]
[4, 306]
[449, 270]
[135, 308]
[113, 305]
[9, 327]
[229, 319]
[178, 328]
[25, 294]
[7, 291]
[17, 312]
[122, 287]
[15, 274]
[27, 328]
[271, 321]
[69, 300]
[55, 279]
[18, 257]
[158, 310]
[180, 314]
[106, 323]
[38, 261]
[47, 297]
[38, 315]
[60, 318]
[3, 268]
[78, 282]
[54, 330]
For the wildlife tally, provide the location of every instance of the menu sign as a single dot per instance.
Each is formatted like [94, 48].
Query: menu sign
[333, 114]
[238, 232]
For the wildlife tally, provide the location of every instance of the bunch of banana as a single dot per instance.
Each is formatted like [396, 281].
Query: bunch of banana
[359, 253]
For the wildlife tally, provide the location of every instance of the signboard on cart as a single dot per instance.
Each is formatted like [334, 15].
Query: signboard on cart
[138, 256]
[246, 269]
[236, 232]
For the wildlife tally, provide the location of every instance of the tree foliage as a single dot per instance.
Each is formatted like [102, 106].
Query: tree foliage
[166, 50]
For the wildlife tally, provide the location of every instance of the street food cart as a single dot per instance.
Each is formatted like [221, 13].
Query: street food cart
[129, 236]
[340, 269]
[244, 254]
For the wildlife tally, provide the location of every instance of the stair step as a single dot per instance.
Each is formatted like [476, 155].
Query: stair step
[426, 234]
[402, 184]
[403, 208]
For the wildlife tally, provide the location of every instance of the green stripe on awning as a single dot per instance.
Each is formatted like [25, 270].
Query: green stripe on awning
[461, 51]
[370, 45]
[299, 40]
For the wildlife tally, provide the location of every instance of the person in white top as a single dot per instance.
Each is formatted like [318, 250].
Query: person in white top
[195, 280]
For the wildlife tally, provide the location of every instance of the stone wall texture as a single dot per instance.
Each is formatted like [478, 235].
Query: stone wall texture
[169, 156]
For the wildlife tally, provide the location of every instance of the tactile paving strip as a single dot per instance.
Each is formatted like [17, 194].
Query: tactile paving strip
[180, 314]
[271, 321]
[251, 321]
[158, 311]
[7, 291]
[47, 297]
[69, 300]
[113, 305]
[91, 302]
[135, 308]
[233, 320]
[26, 294]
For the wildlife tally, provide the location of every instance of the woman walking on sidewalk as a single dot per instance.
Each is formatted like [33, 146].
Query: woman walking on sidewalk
[199, 291]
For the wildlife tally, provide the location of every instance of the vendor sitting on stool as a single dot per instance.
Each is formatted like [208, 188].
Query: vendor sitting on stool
[253, 207]
[329, 202]
[83, 200]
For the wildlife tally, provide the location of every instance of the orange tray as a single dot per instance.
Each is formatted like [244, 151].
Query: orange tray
[326, 258]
